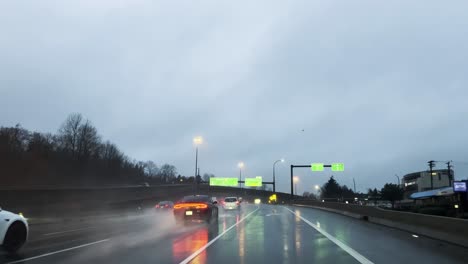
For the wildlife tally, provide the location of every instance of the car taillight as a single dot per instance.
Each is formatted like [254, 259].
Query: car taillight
[237, 202]
[157, 206]
[166, 205]
[190, 205]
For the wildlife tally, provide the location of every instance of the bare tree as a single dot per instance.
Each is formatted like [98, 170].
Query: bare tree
[110, 152]
[88, 140]
[167, 172]
[69, 133]
[75, 155]
[151, 169]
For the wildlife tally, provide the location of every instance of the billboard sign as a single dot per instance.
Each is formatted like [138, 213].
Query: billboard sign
[337, 166]
[316, 166]
[253, 182]
[459, 186]
[228, 182]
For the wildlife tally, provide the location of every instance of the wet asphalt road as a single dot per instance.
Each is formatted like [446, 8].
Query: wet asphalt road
[254, 234]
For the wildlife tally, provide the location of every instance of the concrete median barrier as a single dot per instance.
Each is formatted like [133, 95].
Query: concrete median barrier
[452, 230]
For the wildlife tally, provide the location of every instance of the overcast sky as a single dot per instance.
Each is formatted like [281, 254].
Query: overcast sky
[378, 85]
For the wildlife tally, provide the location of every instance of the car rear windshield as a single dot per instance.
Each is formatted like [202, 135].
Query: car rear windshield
[230, 200]
[200, 198]
[164, 203]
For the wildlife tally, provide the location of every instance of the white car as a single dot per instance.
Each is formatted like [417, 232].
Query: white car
[13, 231]
[230, 203]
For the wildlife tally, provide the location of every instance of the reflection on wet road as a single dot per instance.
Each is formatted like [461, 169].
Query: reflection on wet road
[185, 246]
[254, 234]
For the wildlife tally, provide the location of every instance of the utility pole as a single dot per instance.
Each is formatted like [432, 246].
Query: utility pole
[449, 173]
[431, 165]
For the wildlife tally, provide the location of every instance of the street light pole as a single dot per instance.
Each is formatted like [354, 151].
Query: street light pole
[197, 141]
[240, 177]
[196, 166]
[398, 177]
[354, 182]
[274, 180]
[241, 165]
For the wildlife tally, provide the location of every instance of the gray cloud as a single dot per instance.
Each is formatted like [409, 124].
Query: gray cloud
[378, 86]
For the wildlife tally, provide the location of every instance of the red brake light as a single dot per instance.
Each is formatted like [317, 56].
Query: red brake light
[188, 205]
[157, 206]
[166, 205]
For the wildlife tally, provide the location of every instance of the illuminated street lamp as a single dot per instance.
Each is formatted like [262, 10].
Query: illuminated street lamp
[318, 188]
[197, 141]
[274, 180]
[240, 165]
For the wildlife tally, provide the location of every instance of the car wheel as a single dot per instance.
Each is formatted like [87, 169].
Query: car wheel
[15, 237]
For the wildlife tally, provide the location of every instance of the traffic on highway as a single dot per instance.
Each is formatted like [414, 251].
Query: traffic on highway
[256, 233]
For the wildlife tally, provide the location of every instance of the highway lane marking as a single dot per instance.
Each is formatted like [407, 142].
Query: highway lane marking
[272, 214]
[68, 231]
[58, 251]
[342, 245]
[196, 253]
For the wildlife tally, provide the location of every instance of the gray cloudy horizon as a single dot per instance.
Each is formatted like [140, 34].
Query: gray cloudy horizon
[380, 86]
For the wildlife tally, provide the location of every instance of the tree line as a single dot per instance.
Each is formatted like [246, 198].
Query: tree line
[332, 190]
[75, 155]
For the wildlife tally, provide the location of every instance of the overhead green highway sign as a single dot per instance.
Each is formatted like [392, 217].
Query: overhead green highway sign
[229, 182]
[337, 166]
[316, 167]
[253, 182]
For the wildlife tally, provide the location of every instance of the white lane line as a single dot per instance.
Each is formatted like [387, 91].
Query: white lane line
[342, 245]
[196, 253]
[67, 231]
[57, 252]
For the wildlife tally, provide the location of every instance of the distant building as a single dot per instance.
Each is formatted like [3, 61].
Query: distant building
[421, 181]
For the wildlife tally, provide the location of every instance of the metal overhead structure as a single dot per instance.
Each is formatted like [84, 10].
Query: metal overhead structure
[314, 167]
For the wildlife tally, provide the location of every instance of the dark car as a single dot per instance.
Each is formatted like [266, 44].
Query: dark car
[164, 205]
[196, 208]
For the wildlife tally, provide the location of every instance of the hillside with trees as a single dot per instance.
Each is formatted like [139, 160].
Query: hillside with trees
[75, 156]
